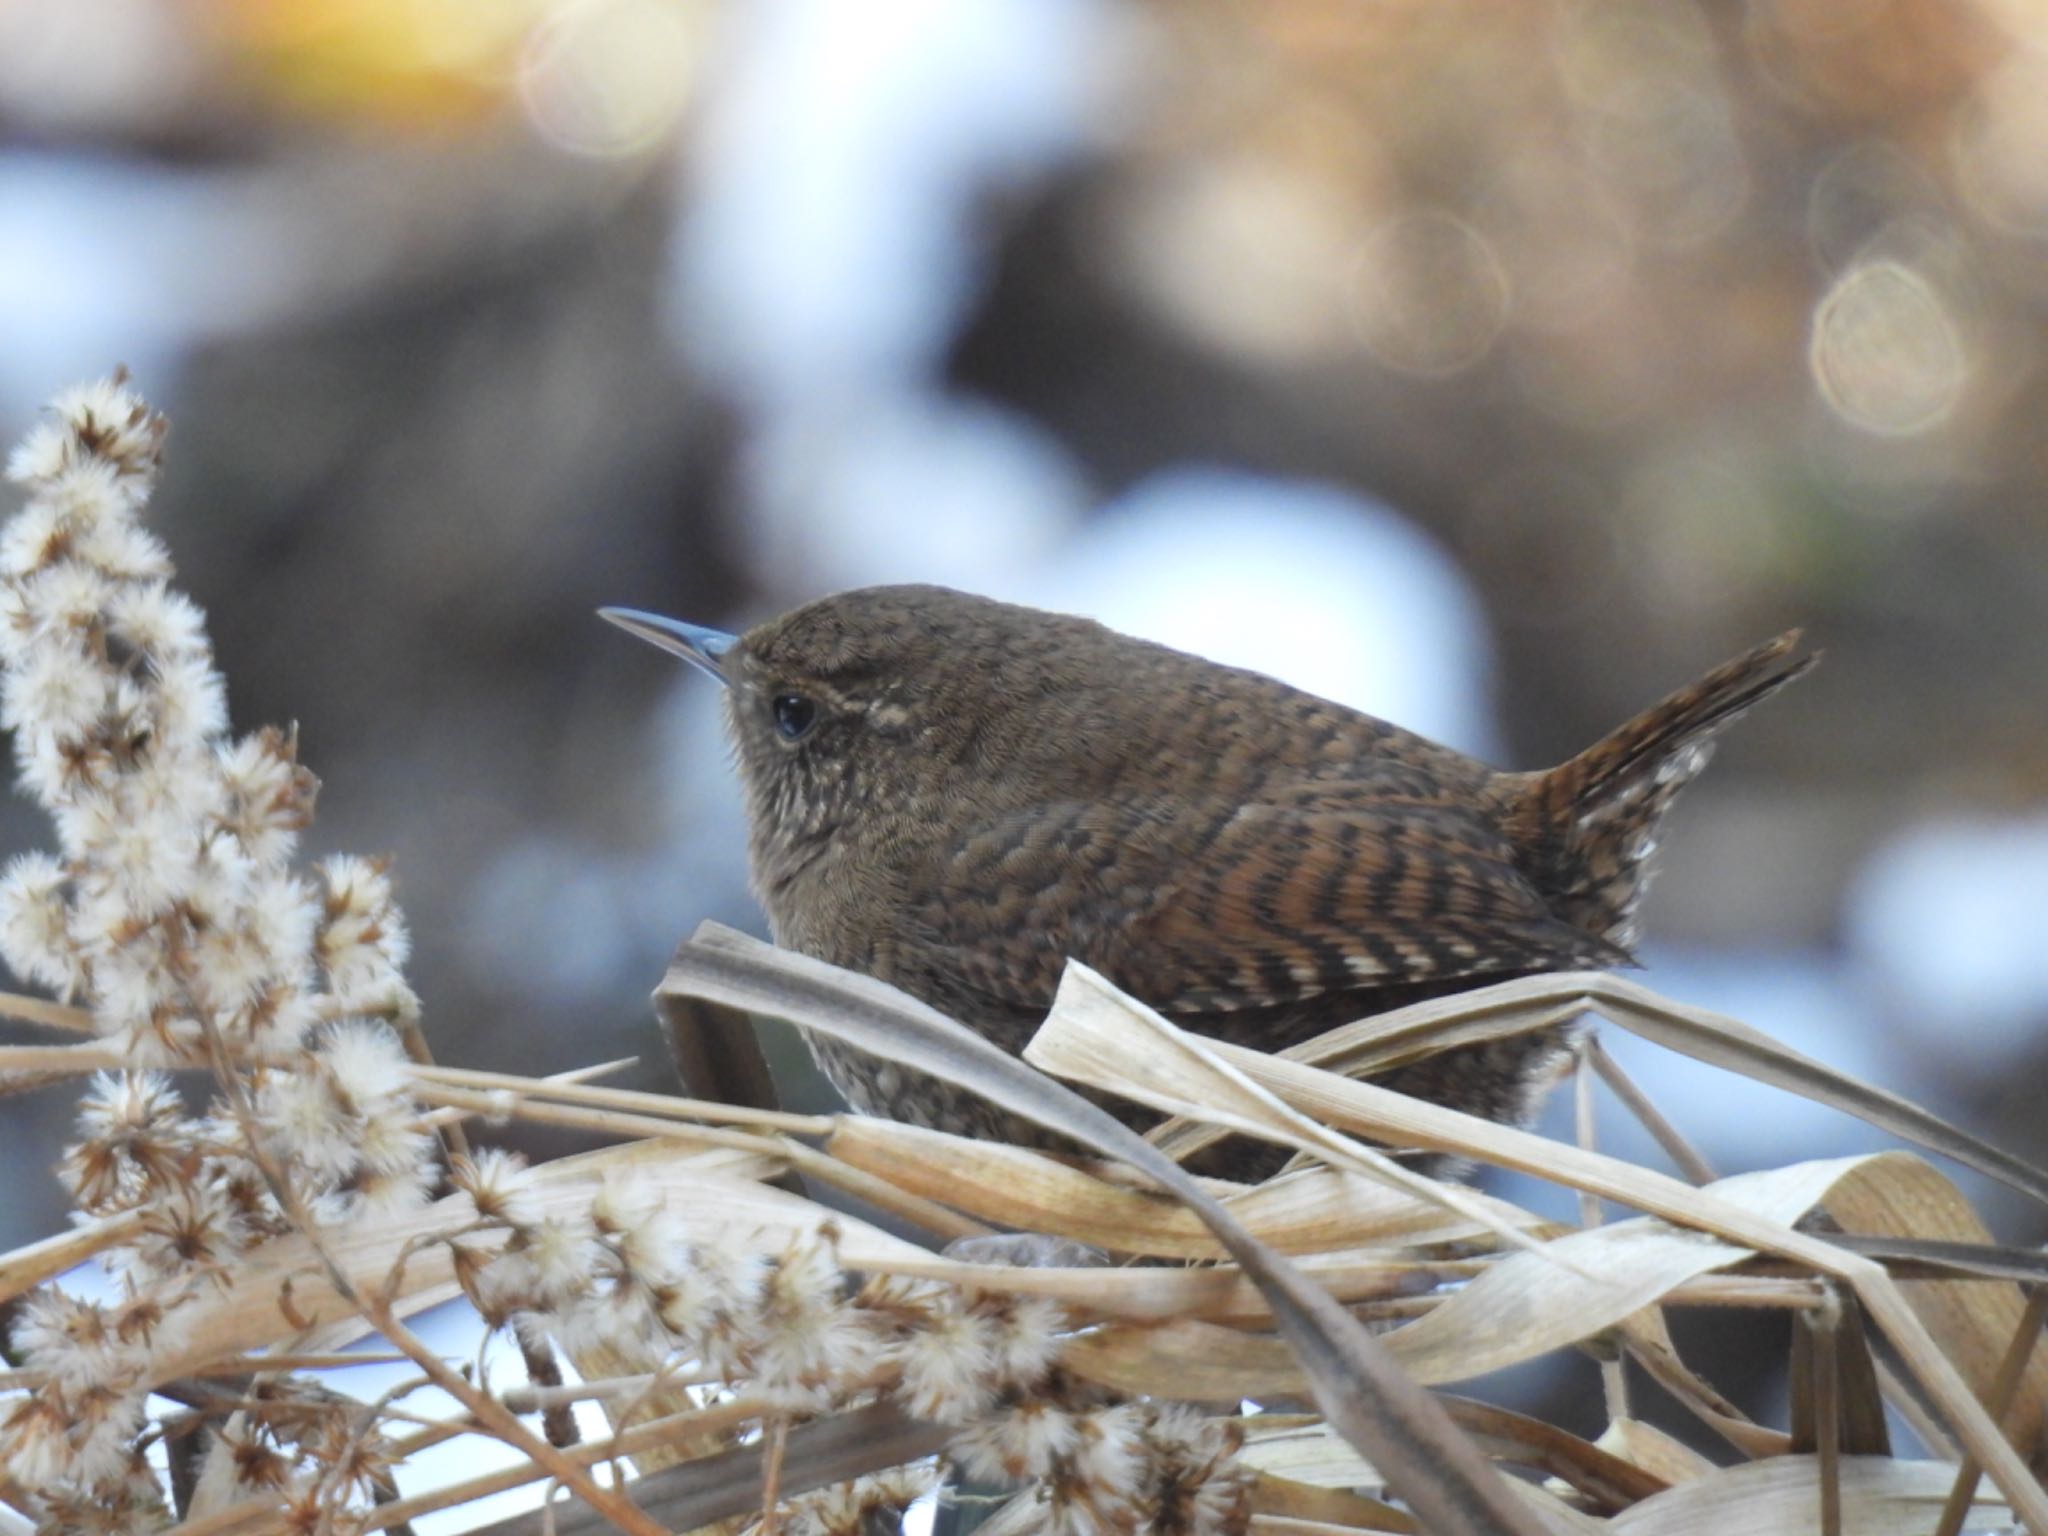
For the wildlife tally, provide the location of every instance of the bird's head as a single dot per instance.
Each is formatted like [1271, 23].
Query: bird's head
[887, 703]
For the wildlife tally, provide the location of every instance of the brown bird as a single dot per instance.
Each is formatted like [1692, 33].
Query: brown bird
[956, 795]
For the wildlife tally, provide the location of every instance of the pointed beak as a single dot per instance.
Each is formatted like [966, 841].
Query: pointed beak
[702, 648]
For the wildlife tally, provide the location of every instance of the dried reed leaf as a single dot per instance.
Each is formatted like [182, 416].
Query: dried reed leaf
[1018, 1188]
[1329, 1506]
[1200, 1362]
[1171, 1070]
[1663, 1457]
[928, 1216]
[1395, 1422]
[1092, 1028]
[1295, 1453]
[1705, 1036]
[1312, 1210]
[1262, 1525]
[1880, 1497]
[1649, 1342]
[1616, 1270]
[1728, 1043]
[1984, 1261]
[1304, 1449]
[1596, 1475]
[1381, 1042]
[1518, 1308]
[1512, 1313]
[1560, 1518]
[1147, 1296]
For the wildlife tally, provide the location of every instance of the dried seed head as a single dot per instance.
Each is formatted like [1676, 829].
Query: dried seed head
[948, 1363]
[498, 1185]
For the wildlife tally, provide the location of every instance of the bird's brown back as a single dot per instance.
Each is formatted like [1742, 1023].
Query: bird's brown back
[995, 790]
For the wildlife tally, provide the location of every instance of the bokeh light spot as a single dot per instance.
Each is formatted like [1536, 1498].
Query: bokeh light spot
[610, 78]
[1563, 240]
[1429, 296]
[1886, 353]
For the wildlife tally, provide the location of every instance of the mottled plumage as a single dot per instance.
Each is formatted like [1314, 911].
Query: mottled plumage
[980, 791]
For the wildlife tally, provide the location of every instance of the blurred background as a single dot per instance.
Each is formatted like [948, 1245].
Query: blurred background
[1492, 368]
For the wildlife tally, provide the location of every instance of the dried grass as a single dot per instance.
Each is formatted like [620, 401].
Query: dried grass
[1176, 1318]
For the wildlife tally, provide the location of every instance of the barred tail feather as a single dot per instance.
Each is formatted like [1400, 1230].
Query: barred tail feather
[1599, 811]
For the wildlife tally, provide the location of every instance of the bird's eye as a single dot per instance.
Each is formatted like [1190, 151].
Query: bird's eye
[794, 715]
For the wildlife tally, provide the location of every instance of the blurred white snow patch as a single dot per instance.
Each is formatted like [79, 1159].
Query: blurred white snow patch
[1951, 918]
[1329, 591]
[905, 487]
[829, 249]
[99, 262]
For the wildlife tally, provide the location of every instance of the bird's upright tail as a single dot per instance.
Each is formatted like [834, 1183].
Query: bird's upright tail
[1589, 824]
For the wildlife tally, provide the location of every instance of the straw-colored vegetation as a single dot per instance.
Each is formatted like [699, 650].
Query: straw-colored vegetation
[766, 1362]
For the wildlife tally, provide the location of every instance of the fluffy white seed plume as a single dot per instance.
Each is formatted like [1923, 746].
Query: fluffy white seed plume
[363, 942]
[172, 914]
[135, 1139]
[498, 1184]
[811, 1339]
[35, 922]
[865, 1504]
[1027, 1440]
[948, 1362]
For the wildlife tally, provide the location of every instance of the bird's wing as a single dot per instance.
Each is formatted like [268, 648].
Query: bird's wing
[1294, 901]
[1206, 906]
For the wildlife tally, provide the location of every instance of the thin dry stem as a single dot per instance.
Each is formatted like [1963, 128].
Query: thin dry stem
[628, 1100]
[50, 1061]
[609, 1122]
[1689, 1159]
[39, 1261]
[38, 1010]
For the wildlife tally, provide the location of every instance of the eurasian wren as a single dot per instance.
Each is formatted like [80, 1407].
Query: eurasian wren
[956, 795]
